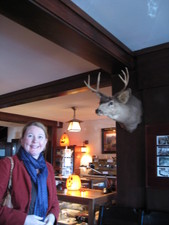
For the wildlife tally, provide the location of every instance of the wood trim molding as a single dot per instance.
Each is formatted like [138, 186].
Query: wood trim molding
[15, 118]
[85, 26]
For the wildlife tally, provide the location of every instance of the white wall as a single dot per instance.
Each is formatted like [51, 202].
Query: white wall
[14, 133]
[91, 131]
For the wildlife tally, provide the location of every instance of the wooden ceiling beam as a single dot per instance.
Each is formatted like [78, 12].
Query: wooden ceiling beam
[52, 89]
[66, 25]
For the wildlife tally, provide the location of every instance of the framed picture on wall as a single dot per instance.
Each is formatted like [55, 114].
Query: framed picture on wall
[108, 140]
[157, 155]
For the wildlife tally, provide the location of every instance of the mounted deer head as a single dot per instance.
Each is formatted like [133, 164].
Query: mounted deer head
[122, 107]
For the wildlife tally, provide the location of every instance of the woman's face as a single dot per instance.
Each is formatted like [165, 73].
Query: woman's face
[34, 141]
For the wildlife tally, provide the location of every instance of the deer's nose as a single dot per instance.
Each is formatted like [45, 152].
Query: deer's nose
[98, 111]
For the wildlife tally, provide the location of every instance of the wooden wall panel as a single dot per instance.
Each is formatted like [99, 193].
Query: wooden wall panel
[153, 72]
[131, 167]
[152, 87]
[153, 68]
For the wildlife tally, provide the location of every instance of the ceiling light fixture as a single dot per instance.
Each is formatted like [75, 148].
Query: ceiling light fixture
[74, 124]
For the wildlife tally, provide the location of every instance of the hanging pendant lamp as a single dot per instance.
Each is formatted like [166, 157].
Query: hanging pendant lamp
[74, 124]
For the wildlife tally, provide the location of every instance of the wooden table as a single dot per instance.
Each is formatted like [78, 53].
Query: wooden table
[89, 197]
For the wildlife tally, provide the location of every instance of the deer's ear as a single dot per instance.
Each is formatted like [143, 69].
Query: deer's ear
[124, 96]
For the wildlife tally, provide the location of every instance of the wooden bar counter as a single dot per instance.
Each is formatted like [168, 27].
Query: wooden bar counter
[89, 197]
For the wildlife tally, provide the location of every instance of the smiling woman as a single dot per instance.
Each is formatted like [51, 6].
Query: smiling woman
[32, 176]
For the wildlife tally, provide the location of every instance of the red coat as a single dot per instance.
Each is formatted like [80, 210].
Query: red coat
[21, 192]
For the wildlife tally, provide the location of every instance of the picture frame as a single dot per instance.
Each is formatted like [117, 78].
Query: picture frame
[157, 156]
[108, 140]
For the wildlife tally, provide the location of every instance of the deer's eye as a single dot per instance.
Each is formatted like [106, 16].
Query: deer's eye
[110, 103]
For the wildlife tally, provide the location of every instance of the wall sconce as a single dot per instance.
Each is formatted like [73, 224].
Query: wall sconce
[73, 183]
[74, 124]
[84, 148]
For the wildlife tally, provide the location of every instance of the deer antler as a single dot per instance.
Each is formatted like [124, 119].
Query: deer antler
[125, 79]
[97, 88]
[89, 86]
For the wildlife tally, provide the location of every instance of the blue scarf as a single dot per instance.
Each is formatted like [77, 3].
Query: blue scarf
[40, 180]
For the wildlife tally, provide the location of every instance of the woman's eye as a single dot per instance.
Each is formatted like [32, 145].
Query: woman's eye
[40, 137]
[30, 135]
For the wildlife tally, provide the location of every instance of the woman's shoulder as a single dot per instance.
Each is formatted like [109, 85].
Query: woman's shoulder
[16, 161]
[5, 165]
[50, 167]
[5, 162]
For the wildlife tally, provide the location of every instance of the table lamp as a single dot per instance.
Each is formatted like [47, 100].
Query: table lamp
[73, 183]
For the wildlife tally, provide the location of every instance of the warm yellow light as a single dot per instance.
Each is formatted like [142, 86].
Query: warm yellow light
[74, 126]
[83, 149]
[73, 183]
[64, 140]
[86, 159]
[114, 133]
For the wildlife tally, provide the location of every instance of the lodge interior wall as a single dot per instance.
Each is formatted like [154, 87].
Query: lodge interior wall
[152, 71]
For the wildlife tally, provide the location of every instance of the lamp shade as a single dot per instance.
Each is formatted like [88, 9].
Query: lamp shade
[74, 126]
[73, 183]
[84, 149]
